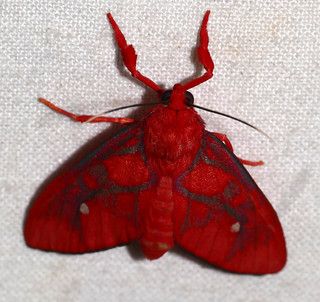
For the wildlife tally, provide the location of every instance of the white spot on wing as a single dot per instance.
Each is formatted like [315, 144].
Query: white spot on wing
[235, 228]
[84, 209]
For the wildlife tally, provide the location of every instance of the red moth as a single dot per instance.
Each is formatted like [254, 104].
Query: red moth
[163, 180]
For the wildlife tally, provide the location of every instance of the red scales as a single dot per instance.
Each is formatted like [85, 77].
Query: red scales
[162, 180]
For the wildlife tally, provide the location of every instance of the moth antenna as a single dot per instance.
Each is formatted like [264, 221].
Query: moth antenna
[119, 108]
[203, 55]
[129, 56]
[234, 118]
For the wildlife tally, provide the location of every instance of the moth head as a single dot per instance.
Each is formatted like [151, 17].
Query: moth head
[177, 98]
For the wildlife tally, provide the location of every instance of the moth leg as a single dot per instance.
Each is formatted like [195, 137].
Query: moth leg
[227, 142]
[203, 55]
[129, 56]
[87, 118]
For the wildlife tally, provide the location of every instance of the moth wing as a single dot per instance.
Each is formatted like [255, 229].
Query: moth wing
[94, 205]
[223, 217]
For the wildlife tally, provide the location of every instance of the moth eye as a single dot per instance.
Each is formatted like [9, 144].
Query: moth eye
[165, 97]
[189, 99]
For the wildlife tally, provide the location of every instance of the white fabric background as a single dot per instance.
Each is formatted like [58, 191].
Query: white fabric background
[267, 73]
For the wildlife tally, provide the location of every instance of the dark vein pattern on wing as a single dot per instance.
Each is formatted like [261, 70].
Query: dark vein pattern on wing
[242, 172]
[93, 182]
[120, 138]
[213, 202]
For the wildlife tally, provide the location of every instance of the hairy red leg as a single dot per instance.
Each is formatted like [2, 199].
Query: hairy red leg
[87, 118]
[203, 55]
[227, 142]
[129, 56]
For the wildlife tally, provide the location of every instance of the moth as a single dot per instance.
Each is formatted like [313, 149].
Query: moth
[163, 180]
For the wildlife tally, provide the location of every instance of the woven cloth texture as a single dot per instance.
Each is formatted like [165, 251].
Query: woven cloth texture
[266, 55]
